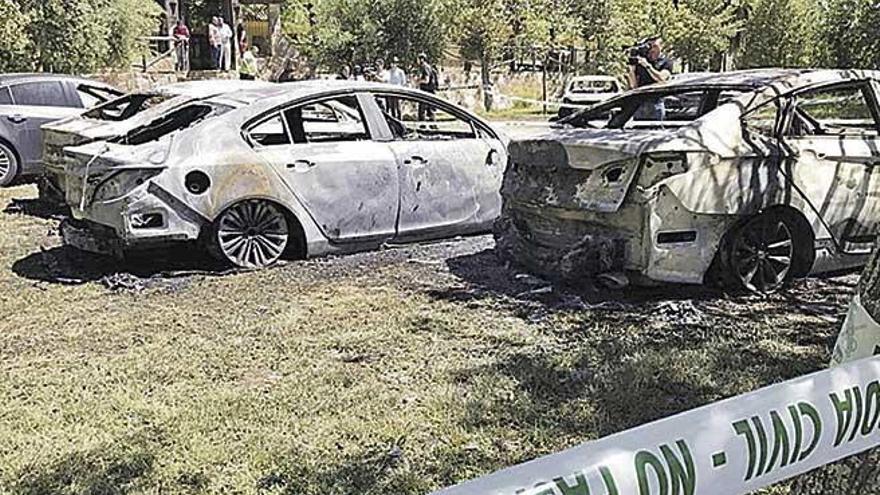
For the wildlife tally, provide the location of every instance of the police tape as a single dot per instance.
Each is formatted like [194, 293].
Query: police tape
[730, 447]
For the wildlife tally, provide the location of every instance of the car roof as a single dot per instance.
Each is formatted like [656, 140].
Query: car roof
[760, 78]
[266, 98]
[6, 79]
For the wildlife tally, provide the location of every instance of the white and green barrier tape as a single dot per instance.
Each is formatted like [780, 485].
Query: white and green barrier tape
[734, 446]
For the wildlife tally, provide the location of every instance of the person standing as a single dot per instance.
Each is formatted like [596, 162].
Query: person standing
[654, 68]
[396, 77]
[248, 69]
[181, 41]
[428, 84]
[215, 42]
[226, 37]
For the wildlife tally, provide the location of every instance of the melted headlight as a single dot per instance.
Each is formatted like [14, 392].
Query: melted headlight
[121, 183]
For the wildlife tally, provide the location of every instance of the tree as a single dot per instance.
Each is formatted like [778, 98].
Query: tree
[348, 32]
[74, 35]
[781, 33]
[851, 36]
[15, 41]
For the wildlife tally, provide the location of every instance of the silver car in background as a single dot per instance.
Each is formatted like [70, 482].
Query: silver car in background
[27, 101]
[302, 169]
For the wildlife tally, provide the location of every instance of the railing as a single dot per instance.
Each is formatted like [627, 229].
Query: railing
[157, 54]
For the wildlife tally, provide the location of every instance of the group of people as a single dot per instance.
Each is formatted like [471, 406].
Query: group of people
[393, 74]
[222, 42]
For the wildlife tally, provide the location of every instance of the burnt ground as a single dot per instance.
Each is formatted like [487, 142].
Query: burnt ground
[398, 371]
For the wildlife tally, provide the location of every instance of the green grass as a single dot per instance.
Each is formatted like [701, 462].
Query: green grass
[372, 374]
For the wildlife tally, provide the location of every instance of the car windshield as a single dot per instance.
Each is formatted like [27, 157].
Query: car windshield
[670, 107]
[592, 87]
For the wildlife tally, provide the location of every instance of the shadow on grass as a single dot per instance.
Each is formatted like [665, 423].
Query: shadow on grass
[100, 471]
[377, 469]
[68, 265]
[487, 277]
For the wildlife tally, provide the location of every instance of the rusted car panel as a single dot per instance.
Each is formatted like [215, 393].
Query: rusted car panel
[326, 156]
[668, 200]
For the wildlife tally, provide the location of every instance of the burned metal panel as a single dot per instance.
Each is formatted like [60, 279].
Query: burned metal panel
[350, 189]
[447, 186]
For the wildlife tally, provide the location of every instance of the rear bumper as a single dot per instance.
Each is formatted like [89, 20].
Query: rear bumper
[146, 217]
[653, 238]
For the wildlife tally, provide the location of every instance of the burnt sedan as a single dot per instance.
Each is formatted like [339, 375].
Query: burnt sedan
[301, 169]
[28, 101]
[751, 178]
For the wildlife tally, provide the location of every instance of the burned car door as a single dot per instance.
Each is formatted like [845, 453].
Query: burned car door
[450, 167]
[325, 153]
[832, 154]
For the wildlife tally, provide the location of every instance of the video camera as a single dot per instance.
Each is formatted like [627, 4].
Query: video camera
[640, 49]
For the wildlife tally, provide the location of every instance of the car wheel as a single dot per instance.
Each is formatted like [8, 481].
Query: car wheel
[760, 253]
[250, 234]
[9, 166]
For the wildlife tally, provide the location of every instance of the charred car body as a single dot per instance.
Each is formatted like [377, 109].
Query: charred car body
[117, 117]
[753, 176]
[304, 168]
[28, 101]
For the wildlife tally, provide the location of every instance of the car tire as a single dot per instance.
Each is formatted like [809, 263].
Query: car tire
[760, 254]
[250, 234]
[9, 165]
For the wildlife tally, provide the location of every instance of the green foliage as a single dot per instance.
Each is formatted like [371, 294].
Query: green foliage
[851, 37]
[14, 39]
[348, 32]
[73, 35]
[782, 33]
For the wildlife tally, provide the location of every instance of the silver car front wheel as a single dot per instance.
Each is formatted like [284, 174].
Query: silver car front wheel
[251, 234]
[9, 166]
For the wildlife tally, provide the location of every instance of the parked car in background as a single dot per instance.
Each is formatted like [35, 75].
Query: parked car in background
[304, 169]
[751, 177]
[588, 90]
[27, 101]
[120, 115]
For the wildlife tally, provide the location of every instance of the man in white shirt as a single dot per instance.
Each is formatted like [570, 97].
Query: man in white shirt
[226, 40]
[396, 77]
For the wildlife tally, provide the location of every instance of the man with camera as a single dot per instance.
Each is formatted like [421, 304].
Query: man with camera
[648, 65]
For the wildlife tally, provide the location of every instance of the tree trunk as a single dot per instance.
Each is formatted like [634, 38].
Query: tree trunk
[486, 81]
[859, 474]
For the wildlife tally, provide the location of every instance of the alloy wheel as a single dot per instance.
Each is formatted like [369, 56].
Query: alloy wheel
[252, 234]
[8, 165]
[762, 254]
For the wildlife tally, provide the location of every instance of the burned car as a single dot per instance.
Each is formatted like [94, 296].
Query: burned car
[300, 169]
[28, 101]
[751, 178]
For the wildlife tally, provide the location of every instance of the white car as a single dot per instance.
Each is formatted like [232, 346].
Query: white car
[299, 169]
[750, 177]
[588, 90]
